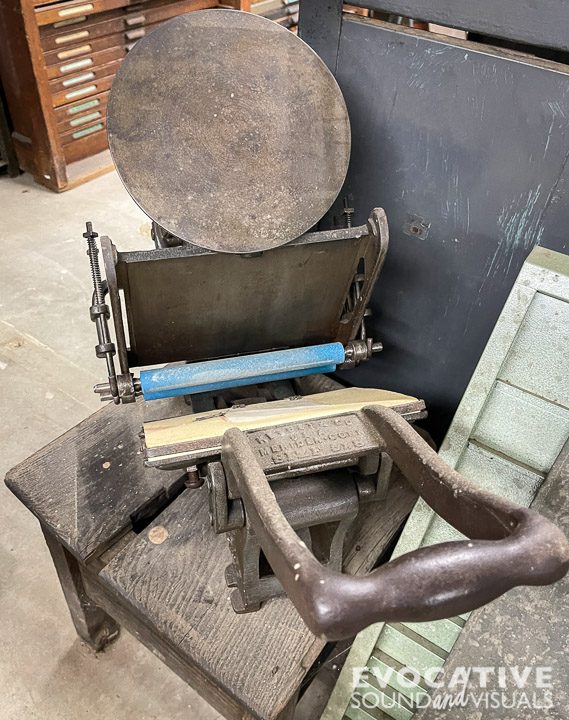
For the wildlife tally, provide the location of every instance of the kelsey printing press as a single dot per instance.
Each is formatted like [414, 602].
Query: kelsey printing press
[227, 333]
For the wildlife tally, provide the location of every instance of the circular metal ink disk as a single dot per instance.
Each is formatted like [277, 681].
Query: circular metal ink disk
[228, 131]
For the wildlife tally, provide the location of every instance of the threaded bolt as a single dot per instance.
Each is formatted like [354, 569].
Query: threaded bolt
[348, 213]
[92, 253]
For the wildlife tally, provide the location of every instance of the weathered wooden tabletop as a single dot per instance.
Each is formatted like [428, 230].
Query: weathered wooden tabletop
[90, 490]
[87, 485]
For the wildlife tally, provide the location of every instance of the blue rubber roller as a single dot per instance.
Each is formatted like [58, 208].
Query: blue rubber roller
[238, 371]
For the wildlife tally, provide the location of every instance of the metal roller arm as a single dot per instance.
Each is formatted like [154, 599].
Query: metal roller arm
[510, 545]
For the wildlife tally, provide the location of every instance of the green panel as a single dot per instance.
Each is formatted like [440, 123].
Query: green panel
[523, 427]
[439, 531]
[497, 474]
[81, 120]
[539, 359]
[395, 680]
[84, 77]
[76, 65]
[443, 633]
[81, 91]
[407, 651]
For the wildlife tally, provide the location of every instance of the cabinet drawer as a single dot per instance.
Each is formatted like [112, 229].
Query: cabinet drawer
[73, 9]
[86, 130]
[85, 29]
[81, 49]
[90, 144]
[80, 107]
[92, 83]
[86, 62]
[74, 127]
[83, 77]
[160, 11]
[81, 30]
[123, 39]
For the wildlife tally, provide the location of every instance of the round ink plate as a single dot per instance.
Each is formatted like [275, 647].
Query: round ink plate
[228, 131]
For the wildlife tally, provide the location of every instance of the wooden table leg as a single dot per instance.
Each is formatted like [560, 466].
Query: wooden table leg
[93, 625]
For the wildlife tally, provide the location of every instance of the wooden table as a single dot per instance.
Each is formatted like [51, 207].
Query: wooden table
[133, 547]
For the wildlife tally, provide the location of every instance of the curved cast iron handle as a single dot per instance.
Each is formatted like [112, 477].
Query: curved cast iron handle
[510, 545]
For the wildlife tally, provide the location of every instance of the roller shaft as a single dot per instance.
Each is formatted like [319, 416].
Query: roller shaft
[238, 371]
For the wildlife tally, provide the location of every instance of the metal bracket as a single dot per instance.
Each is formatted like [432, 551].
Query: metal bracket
[198, 330]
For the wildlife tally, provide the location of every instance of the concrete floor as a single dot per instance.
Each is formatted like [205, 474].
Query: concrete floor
[47, 370]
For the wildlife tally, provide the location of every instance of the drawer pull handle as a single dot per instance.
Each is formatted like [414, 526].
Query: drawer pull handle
[71, 21]
[77, 65]
[85, 118]
[72, 52]
[78, 10]
[82, 91]
[87, 131]
[135, 20]
[71, 38]
[83, 106]
[78, 79]
[135, 34]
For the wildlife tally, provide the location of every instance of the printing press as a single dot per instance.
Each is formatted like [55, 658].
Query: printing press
[229, 329]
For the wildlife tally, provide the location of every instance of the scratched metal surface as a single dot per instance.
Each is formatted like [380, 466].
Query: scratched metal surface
[228, 131]
[470, 148]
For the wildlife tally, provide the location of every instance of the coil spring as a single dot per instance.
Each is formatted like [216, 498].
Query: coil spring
[93, 252]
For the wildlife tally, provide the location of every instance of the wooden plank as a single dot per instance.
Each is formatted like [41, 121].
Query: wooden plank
[178, 588]
[86, 485]
[371, 702]
[544, 23]
[89, 168]
[93, 625]
[134, 623]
